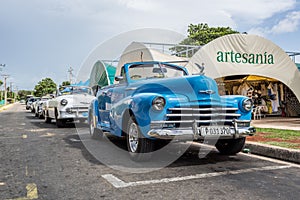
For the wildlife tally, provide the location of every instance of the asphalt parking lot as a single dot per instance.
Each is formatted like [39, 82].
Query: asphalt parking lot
[40, 161]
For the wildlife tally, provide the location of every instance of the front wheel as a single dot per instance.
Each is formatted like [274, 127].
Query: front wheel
[60, 123]
[230, 146]
[139, 147]
[47, 118]
[41, 115]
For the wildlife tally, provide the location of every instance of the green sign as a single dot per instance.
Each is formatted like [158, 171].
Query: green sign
[249, 58]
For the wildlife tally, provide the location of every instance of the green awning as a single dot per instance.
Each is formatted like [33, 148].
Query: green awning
[298, 65]
[102, 74]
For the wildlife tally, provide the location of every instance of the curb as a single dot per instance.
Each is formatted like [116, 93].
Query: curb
[286, 154]
[6, 107]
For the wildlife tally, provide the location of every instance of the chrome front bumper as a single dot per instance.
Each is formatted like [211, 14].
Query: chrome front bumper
[74, 113]
[193, 133]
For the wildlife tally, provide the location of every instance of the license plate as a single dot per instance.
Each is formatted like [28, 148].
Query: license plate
[214, 130]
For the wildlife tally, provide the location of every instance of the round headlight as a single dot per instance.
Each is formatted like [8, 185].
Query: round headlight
[158, 103]
[247, 104]
[64, 102]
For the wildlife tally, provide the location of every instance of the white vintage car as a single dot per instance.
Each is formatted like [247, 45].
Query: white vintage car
[71, 103]
[38, 106]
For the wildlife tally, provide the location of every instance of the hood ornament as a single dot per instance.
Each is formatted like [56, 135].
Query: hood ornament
[201, 68]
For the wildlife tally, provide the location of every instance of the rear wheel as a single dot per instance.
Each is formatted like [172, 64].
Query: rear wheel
[139, 147]
[95, 132]
[230, 146]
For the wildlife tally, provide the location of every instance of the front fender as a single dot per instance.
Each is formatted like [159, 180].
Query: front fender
[141, 107]
[138, 105]
[236, 101]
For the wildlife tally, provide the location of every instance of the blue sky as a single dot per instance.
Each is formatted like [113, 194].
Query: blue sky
[41, 39]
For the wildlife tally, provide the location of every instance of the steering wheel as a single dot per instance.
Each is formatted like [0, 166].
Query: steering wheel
[135, 76]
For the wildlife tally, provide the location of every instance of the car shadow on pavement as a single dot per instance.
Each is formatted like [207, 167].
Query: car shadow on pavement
[193, 156]
[41, 124]
[74, 142]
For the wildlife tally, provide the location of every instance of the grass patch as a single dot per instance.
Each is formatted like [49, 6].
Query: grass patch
[283, 144]
[279, 133]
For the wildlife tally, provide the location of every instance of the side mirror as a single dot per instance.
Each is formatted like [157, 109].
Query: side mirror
[119, 78]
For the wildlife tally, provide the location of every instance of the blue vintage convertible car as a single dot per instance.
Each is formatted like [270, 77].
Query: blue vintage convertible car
[152, 101]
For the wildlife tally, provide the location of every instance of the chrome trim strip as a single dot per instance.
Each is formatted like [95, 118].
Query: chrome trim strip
[204, 115]
[204, 109]
[131, 88]
[191, 121]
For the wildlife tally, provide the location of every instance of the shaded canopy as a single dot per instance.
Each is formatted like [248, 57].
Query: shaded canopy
[244, 54]
[102, 74]
[248, 78]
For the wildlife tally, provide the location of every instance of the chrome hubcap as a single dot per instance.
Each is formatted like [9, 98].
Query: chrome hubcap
[133, 137]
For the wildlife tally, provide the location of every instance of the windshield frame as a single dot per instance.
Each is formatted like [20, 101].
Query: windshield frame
[158, 70]
[74, 90]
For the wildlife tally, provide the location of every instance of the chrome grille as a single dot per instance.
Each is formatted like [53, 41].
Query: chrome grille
[77, 109]
[185, 117]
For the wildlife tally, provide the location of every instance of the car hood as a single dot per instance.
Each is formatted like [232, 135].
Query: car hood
[195, 88]
[77, 99]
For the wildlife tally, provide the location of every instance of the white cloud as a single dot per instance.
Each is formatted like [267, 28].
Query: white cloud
[255, 11]
[140, 5]
[259, 31]
[289, 24]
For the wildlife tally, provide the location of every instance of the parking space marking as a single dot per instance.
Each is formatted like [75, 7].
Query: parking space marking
[26, 170]
[32, 192]
[23, 136]
[118, 183]
[48, 135]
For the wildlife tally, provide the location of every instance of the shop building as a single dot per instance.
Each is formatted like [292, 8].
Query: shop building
[255, 67]
[242, 64]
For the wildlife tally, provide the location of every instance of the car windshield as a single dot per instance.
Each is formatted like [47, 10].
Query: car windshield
[75, 90]
[157, 70]
[45, 98]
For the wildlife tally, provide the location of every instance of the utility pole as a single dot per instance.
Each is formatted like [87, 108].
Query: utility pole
[11, 89]
[1, 65]
[16, 94]
[5, 76]
[70, 70]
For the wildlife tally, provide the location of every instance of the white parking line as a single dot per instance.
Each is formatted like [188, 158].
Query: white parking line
[118, 183]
